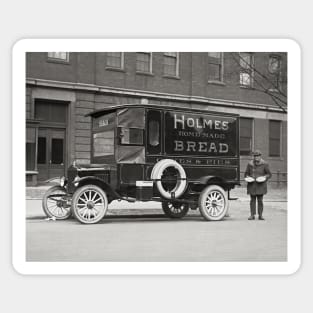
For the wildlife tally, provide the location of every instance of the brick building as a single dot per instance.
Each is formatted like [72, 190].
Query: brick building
[62, 87]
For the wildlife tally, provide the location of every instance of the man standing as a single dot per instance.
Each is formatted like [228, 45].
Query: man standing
[257, 174]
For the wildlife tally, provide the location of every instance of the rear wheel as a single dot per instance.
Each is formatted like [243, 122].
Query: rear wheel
[89, 204]
[56, 203]
[175, 209]
[213, 203]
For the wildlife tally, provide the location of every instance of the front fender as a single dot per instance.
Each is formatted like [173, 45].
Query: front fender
[59, 181]
[81, 181]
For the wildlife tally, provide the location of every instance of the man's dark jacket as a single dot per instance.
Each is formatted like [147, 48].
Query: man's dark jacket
[257, 170]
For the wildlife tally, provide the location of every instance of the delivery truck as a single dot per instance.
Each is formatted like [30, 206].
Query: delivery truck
[184, 158]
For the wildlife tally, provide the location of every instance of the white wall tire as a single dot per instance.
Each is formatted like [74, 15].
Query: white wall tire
[55, 203]
[213, 203]
[157, 173]
[89, 204]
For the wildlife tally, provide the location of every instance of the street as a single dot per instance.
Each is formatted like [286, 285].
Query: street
[140, 232]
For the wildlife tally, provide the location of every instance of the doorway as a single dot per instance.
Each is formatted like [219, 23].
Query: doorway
[51, 153]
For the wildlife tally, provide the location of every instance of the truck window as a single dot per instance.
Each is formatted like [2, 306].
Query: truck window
[154, 132]
[131, 136]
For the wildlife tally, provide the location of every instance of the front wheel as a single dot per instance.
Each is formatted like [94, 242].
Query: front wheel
[175, 209]
[56, 203]
[213, 203]
[89, 204]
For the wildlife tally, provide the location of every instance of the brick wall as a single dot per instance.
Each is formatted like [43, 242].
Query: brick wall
[90, 68]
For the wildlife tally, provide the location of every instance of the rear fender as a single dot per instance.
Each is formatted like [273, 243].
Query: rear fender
[213, 180]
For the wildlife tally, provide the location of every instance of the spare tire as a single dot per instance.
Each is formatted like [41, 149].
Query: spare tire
[181, 183]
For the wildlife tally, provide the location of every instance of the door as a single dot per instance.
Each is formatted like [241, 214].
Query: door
[51, 153]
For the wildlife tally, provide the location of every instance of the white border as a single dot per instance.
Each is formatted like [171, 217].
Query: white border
[181, 45]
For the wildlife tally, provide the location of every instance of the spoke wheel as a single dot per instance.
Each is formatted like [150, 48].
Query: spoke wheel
[213, 203]
[89, 204]
[56, 204]
[175, 209]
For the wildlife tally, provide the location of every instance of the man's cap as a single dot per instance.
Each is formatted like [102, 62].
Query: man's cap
[256, 153]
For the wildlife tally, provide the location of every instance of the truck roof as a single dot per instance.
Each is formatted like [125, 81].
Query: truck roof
[116, 107]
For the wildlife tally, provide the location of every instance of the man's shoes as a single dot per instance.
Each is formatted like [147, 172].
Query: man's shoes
[251, 217]
[261, 218]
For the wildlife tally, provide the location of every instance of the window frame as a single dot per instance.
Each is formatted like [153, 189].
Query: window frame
[221, 67]
[55, 59]
[276, 84]
[120, 137]
[252, 136]
[112, 67]
[270, 138]
[150, 64]
[157, 116]
[176, 57]
[249, 70]
[34, 156]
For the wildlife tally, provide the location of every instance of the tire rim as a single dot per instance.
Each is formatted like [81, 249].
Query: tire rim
[181, 182]
[215, 203]
[176, 208]
[90, 204]
[57, 205]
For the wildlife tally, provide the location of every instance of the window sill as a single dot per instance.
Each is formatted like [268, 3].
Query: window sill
[144, 73]
[32, 172]
[115, 69]
[273, 90]
[277, 158]
[171, 77]
[58, 61]
[247, 87]
[216, 82]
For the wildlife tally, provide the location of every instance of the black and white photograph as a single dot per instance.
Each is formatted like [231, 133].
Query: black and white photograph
[156, 156]
[165, 158]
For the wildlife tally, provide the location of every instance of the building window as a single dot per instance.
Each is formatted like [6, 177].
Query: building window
[59, 56]
[274, 140]
[30, 148]
[48, 111]
[144, 62]
[246, 69]
[274, 68]
[246, 135]
[215, 66]
[115, 59]
[171, 64]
